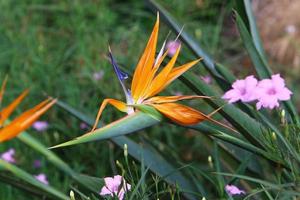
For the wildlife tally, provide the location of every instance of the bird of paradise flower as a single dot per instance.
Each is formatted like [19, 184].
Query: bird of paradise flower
[147, 82]
[23, 121]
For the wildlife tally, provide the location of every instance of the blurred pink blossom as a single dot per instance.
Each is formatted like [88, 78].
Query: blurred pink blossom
[270, 91]
[98, 75]
[37, 163]
[172, 46]
[42, 178]
[177, 93]
[243, 90]
[40, 125]
[8, 156]
[115, 186]
[83, 126]
[291, 29]
[206, 79]
[233, 190]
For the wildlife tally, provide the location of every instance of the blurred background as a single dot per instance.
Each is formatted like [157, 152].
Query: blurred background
[59, 48]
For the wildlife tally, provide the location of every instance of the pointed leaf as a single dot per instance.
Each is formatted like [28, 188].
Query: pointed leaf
[244, 8]
[131, 123]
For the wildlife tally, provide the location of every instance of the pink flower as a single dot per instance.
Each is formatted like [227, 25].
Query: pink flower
[233, 190]
[40, 125]
[270, 91]
[98, 75]
[177, 93]
[206, 79]
[37, 163]
[243, 90]
[42, 178]
[172, 46]
[112, 187]
[8, 156]
[83, 126]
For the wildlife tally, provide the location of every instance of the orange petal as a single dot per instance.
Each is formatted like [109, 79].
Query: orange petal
[149, 79]
[6, 112]
[145, 63]
[169, 99]
[180, 114]
[185, 115]
[24, 121]
[160, 80]
[117, 104]
[176, 72]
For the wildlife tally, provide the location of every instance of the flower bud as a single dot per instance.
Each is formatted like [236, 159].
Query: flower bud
[125, 150]
[72, 195]
[210, 161]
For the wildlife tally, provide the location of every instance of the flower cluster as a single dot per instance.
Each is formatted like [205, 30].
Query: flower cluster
[267, 92]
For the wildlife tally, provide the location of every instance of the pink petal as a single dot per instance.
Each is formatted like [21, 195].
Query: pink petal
[238, 84]
[40, 125]
[109, 183]
[265, 84]
[258, 105]
[232, 96]
[284, 94]
[268, 101]
[121, 194]
[42, 178]
[233, 190]
[105, 191]
[98, 75]
[251, 81]
[172, 47]
[278, 82]
[8, 156]
[118, 180]
[206, 79]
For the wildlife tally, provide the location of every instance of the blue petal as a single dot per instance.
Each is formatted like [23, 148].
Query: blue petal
[121, 75]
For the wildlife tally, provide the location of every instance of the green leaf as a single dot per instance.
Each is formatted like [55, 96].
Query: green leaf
[92, 183]
[244, 8]
[217, 165]
[241, 169]
[259, 62]
[234, 140]
[150, 111]
[48, 190]
[128, 124]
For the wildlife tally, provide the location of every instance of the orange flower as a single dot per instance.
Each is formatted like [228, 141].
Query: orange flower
[148, 82]
[22, 122]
